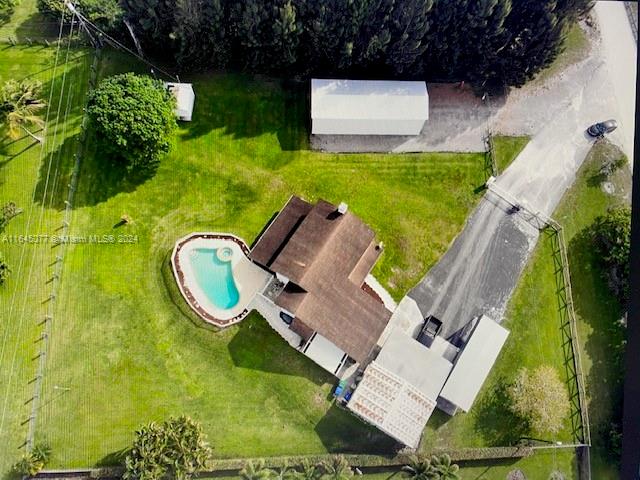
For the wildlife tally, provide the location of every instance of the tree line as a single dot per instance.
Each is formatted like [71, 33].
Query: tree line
[486, 42]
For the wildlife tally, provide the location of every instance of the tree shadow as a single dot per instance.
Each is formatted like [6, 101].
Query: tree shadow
[113, 459]
[596, 306]
[342, 432]
[257, 346]
[37, 28]
[250, 106]
[494, 421]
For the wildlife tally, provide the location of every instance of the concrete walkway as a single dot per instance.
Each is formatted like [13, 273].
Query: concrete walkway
[481, 269]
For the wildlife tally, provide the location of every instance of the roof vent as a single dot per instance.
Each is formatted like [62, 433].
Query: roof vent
[342, 208]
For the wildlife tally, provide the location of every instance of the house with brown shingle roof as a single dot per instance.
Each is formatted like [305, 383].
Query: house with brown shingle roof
[321, 255]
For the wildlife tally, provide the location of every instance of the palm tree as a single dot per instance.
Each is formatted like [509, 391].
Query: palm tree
[418, 469]
[446, 470]
[336, 468]
[286, 472]
[20, 104]
[256, 471]
[308, 471]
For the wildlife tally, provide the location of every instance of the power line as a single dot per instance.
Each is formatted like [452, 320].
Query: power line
[86, 22]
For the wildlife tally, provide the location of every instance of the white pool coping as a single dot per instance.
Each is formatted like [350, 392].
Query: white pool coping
[249, 278]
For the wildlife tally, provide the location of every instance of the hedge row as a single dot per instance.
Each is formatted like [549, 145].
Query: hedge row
[364, 461]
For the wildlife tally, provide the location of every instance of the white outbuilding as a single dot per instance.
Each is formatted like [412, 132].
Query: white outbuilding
[368, 107]
[185, 99]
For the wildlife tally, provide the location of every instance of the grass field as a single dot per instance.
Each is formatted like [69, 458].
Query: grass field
[123, 345]
[506, 149]
[598, 312]
[25, 167]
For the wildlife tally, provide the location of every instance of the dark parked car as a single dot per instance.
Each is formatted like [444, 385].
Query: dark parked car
[600, 129]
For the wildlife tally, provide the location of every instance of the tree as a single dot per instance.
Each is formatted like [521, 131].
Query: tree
[612, 241]
[307, 471]
[20, 104]
[133, 118]
[444, 468]
[256, 471]
[336, 468]
[34, 461]
[107, 14]
[540, 398]
[419, 469]
[177, 448]
[200, 33]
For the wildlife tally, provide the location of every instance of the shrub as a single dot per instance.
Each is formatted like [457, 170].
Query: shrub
[5, 271]
[540, 398]
[34, 461]
[6, 9]
[612, 241]
[177, 448]
[133, 118]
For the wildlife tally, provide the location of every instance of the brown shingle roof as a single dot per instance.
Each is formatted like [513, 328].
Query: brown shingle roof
[328, 256]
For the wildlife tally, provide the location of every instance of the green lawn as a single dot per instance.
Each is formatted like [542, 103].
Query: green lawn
[24, 166]
[123, 343]
[506, 149]
[597, 310]
[27, 25]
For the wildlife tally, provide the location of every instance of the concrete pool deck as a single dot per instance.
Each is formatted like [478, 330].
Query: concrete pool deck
[249, 279]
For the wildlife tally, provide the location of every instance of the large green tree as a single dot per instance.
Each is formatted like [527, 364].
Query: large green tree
[540, 398]
[176, 448]
[612, 240]
[419, 469]
[133, 117]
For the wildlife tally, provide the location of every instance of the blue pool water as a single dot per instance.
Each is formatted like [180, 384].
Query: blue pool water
[214, 277]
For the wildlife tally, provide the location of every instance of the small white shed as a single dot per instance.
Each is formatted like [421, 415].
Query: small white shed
[185, 99]
[368, 107]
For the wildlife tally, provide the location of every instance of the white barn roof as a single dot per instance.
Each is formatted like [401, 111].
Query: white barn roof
[185, 99]
[474, 363]
[368, 107]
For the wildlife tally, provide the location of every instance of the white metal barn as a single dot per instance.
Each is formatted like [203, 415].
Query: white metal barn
[368, 107]
[185, 99]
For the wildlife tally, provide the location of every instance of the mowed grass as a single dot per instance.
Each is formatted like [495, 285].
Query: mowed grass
[600, 333]
[535, 338]
[124, 347]
[25, 167]
[506, 149]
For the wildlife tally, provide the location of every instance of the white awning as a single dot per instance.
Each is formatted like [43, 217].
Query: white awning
[368, 107]
[324, 353]
[474, 363]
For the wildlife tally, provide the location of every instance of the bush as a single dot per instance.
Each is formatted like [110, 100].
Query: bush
[540, 398]
[177, 448]
[107, 14]
[133, 118]
[6, 9]
[5, 271]
[612, 241]
[33, 462]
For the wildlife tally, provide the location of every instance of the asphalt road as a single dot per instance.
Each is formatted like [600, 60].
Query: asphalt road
[481, 269]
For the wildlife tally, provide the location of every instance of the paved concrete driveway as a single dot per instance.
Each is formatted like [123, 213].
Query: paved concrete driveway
[457, 123]
[482, 267]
